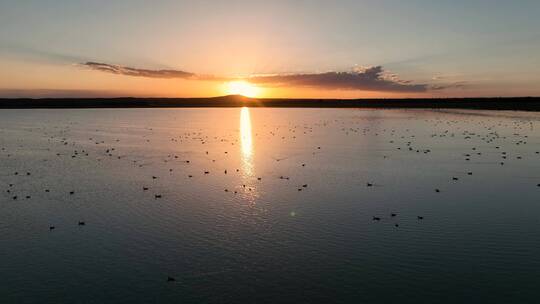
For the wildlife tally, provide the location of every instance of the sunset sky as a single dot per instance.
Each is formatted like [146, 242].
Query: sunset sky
[311, 49]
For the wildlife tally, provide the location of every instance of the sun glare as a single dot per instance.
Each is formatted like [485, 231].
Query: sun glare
[243, 88]
[246, 140]
[245, 133]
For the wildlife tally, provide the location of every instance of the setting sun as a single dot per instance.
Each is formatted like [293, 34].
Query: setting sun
[243, 88]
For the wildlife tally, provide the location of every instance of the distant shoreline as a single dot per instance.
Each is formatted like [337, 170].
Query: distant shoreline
[509, 103]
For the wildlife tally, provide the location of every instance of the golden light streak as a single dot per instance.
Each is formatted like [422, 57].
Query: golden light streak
[246, 140]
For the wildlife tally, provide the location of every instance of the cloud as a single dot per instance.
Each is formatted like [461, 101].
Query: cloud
[455, 85]
[28, 53]
[122, 70]
[57, 93]
[368, 79]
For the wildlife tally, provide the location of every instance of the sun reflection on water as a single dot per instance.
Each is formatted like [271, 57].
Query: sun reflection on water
[246, 139]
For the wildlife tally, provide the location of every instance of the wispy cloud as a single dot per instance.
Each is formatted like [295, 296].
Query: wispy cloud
[57, 93]
[454, 85]
[29, 53]
[122, 70]
[368, 79]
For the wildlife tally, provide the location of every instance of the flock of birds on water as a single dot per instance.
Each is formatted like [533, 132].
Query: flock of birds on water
[64, 145]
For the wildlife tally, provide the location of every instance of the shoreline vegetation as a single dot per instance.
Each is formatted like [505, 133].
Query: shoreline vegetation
[502, 103]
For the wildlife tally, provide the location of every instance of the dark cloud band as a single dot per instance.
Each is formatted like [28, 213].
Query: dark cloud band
[370, 79]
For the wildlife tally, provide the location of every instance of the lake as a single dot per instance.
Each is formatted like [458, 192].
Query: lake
[268, 205]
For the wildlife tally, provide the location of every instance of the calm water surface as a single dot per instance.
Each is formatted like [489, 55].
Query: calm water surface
[269, 206]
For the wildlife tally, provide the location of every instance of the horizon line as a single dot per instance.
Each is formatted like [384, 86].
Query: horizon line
[276, 98]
